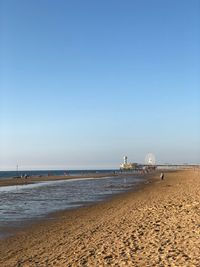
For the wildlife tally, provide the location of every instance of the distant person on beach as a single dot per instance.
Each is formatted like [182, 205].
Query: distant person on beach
[162, 176]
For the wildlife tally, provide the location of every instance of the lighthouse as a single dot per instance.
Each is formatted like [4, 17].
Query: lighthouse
[125, 160]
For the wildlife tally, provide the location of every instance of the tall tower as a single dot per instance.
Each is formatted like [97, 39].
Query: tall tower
[125, 160]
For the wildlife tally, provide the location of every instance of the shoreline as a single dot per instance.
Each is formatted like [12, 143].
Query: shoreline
[14, 229]
[158, 224]
[34, 179]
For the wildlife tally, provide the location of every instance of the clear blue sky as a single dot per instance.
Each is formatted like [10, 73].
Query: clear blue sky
[83, 83]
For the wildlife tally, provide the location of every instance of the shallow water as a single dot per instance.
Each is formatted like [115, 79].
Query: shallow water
[11, 174]
[22, 203]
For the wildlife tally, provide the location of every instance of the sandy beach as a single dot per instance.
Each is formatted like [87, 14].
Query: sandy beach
[159, 225]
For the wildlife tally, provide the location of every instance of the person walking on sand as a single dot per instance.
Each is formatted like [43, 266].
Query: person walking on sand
[162, 176]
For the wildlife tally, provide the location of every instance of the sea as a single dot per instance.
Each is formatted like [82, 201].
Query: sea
[11, 174]
[22, 204]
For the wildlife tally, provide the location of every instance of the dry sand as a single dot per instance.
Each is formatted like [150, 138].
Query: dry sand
[157, 226]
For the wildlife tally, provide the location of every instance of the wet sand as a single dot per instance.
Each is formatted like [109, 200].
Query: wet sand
[159, 225]
[34, 179]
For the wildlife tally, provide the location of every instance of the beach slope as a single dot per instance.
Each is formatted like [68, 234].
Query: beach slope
[159, 225]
